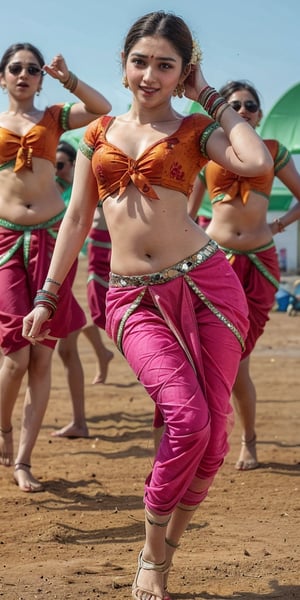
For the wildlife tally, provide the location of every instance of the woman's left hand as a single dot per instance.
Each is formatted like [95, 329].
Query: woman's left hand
[32, 326]
[57, 68]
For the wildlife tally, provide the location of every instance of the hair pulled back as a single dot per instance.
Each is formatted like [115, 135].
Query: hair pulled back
[236, 86]
[166, 25]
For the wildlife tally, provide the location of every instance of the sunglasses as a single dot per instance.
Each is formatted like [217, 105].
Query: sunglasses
[17, 68]
[59, 166]
[249, 105]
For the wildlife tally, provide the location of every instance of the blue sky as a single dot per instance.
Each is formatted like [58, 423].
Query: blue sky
[256, 40]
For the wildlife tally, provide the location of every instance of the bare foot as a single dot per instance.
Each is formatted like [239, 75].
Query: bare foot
[72, 431]
[25, 480]
[6, 447]
[103, 363]
[248, 459]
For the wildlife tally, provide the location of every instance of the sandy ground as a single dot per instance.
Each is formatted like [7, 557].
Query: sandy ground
[80, 538]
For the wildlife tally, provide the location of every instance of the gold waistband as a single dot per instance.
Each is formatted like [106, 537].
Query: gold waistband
[177, 270]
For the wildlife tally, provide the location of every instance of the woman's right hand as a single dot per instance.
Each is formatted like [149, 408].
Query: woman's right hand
[32, 325]
[57, 68]
[194, 82]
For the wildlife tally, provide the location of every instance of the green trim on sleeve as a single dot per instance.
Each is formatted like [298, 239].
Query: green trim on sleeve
[65, 114]
[86, 150]
[282, 158]
[206, 135]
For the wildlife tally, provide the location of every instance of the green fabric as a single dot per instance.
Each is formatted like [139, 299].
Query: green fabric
[67, 190]
[280, 199]
[195, 107]
[73, 137]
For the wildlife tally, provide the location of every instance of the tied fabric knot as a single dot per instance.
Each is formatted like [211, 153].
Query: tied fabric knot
[238, 187]
[24, 158]
[139, 180]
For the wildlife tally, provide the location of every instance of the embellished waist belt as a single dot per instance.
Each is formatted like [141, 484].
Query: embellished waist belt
[177, 270]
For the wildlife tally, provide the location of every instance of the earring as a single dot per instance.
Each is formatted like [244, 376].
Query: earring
[4, 89]
[179, 90]
[125, 81]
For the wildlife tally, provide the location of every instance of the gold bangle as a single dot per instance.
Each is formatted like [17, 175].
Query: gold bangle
[222, 110]
[71, 83]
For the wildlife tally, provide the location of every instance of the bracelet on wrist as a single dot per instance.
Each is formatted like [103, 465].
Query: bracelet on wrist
[280, 225]
[222, 110]
[48, 300]
[71, 83]
[212, 101]
[50, 280]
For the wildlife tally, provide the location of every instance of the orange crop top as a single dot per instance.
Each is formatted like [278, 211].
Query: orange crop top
[41, 140]
[223, 186]
[171, 162]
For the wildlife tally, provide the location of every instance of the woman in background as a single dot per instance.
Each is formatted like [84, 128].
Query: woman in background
[67, 347]
[31, 210]
[240, 227]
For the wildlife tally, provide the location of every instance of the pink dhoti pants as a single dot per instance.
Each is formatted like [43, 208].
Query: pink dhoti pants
[259, 274]
[182, 331]
[99, 252]
[25, 254]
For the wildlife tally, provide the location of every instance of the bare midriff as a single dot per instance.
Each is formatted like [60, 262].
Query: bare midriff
[29, 197]
[241, 226]
[150, 235]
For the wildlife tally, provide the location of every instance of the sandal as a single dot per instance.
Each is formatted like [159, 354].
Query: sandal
[250, 463]
[148, 566]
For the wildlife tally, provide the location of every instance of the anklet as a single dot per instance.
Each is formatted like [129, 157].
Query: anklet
[152, 522]
[171, 544]
[249, 443]
[20, 465]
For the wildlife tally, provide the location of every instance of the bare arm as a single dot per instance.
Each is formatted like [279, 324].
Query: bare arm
[291, 179]
[93, 104]
[235, 145]
[77, 220]
[196, 197]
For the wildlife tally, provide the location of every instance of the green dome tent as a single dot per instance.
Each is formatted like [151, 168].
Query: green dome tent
[283, 124]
